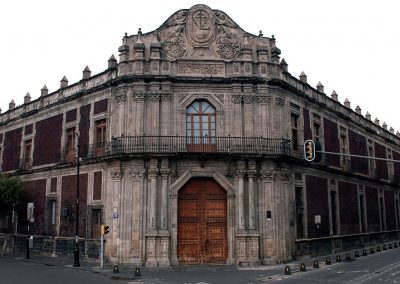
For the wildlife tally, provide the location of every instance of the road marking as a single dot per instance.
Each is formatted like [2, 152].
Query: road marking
[377, 273]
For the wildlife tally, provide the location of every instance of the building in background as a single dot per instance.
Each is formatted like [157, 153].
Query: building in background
[191, 151]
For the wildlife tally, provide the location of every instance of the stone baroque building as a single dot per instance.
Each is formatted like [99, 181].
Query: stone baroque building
[191, 151]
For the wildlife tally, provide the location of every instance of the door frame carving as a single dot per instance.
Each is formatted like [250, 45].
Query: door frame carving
[177, 185]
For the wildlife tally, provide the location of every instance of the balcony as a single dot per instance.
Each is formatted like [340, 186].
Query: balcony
[181, 144]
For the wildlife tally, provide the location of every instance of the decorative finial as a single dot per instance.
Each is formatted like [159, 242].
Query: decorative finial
[27, 98]
[11, 105]
[86, 73]
[260, 33]
[284, 65]
[112, 62]
[44, 91]
[139, 31]
[64, 82]
[334, 95]
[303, 77]
[320, 87]
[347, 103]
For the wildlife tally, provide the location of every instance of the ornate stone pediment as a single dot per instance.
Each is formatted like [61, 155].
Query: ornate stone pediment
[200, 32]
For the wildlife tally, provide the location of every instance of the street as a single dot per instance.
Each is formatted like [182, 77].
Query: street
[382, 267]
[20, 272]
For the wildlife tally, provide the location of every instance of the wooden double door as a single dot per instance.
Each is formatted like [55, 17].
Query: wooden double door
[202, 222]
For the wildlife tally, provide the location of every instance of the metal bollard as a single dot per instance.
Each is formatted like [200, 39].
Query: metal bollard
[137, 272]
[287, 270]
[302, 267]
[328, 261]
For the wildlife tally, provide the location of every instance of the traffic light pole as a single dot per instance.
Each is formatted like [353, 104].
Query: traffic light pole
[359, 156]
[311, 150]
[101, 248]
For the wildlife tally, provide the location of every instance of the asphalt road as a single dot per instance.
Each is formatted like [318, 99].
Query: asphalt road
[20, 272]
[383, 267]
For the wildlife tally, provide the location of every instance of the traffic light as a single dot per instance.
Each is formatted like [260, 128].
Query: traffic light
[105, 229]
[309, 150]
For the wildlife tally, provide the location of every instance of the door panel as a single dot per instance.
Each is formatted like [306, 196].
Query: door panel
[202, 225]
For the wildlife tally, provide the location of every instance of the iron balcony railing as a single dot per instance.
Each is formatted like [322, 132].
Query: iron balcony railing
[183, 144]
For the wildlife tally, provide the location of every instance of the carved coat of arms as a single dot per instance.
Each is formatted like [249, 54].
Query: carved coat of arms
[200, 27]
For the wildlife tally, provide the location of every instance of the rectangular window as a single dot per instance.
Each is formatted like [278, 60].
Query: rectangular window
[333, 213]
[382, 214]
[390, 165]
[100, 137]
[51, 211]
[27, 154]
[96, 223]
[371, 162]
[299, 212]
[398, 213]
[294, 122]
[362, 215]
[316, 131]
[344, 160]
[70, 145]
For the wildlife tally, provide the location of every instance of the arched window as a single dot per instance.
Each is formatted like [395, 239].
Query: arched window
[200, 123]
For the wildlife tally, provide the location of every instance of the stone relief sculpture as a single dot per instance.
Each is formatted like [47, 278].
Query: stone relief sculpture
[202, 28]
[227, 47]
[175, 45]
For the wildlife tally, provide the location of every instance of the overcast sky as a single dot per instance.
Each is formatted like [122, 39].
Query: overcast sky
[352, 47]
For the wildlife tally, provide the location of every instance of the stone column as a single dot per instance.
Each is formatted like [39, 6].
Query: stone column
[251, 173]
[163, 246]
[153, 171]
[151, 235]
[237, 114]
[121, 99]
[165, 114]
[248, 114]
[164, 194]
[240, 202]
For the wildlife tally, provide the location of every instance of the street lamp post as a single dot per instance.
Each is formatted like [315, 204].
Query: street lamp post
[76, 249]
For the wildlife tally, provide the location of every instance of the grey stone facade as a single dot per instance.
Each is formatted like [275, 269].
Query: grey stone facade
[199, 55]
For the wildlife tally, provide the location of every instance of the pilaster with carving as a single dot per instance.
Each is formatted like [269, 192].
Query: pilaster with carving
[240, 173]
[251, 174]
[152, 174]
